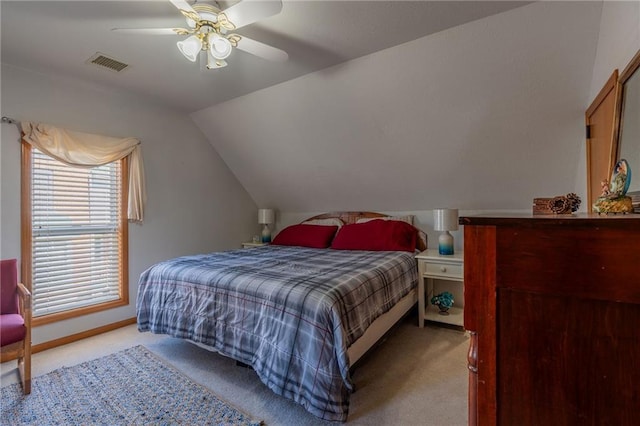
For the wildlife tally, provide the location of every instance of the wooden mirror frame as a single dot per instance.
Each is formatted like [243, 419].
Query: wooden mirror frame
[626, 74]
[601, 120]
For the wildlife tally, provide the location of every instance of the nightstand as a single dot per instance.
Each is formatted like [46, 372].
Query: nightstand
[441, 273]
[252, 244]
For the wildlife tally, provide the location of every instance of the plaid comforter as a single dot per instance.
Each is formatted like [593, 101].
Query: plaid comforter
[289, 312]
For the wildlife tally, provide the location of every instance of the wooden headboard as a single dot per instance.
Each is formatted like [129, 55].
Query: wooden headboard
[352, 217]
[348, 217]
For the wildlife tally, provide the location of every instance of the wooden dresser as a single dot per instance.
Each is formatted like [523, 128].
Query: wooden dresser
[553, 307]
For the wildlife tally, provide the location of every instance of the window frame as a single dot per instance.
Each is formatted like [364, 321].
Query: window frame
[27, 249]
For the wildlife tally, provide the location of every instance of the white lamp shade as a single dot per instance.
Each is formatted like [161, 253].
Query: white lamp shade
[190, 47]
[219, 46]
[445, 219]
[265, 216]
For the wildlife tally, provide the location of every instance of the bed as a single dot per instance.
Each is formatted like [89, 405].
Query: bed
[300, 316]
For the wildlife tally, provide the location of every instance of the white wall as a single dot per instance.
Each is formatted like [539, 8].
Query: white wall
[487, 115]
[195, 204]
[618, 40]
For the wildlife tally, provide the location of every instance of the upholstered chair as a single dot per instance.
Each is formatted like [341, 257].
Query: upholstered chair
[15, 320]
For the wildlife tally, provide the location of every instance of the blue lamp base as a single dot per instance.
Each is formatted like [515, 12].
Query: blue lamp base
[266, 234]
[445, 243]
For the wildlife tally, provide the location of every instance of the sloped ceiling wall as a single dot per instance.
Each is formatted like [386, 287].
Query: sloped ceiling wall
[487, 115]
[618, 41]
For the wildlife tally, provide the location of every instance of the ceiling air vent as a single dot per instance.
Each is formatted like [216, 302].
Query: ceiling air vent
[106, 62]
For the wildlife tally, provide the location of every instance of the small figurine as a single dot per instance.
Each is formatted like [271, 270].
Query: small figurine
[620, 182]
[613, 198]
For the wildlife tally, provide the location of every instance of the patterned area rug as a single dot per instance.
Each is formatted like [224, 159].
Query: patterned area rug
[131, 387]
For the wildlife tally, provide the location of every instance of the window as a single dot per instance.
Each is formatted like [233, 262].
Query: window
[74, 236]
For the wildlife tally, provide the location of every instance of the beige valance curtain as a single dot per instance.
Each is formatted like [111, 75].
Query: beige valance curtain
[87, 150]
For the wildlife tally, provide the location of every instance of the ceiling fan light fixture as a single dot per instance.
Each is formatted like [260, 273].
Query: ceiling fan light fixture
[213, 63]
[207, 29]
[190, 47]
[219, 47]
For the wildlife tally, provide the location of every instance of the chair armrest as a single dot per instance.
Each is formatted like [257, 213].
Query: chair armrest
[24, 297]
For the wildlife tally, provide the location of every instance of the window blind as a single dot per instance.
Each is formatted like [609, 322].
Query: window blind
[75, 246]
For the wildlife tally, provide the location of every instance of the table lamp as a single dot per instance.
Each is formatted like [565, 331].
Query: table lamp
[265, 217]
[445, 220]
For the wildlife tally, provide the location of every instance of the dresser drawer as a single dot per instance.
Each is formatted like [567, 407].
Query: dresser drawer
[444, 270]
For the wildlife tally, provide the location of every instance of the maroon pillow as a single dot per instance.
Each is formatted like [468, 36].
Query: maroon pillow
[314, 236]
[377, 235]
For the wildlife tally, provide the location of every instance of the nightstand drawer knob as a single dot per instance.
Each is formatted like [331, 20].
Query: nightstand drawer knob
[443, 269]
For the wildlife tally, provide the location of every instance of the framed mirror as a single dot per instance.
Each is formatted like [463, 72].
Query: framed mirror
[628, 138]
[601, 120]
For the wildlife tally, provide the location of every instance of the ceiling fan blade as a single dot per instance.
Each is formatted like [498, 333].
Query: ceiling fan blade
[152, 31]
[260, 49]
[249, 11]
[183, 5]
[186, 9]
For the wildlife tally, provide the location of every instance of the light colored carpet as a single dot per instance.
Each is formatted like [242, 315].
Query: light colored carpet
[415, 377]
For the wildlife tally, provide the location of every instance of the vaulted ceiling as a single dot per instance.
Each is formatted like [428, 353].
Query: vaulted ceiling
[383, 105]
[60, 36]
[486, 115]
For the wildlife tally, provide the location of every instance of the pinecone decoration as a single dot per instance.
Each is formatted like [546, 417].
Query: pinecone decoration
[574, 201]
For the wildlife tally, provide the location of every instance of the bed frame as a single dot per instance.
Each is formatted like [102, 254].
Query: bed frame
[386, 321]
[381, 326]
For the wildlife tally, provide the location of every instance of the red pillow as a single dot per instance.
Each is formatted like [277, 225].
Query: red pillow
[377, 235]
[314, 236]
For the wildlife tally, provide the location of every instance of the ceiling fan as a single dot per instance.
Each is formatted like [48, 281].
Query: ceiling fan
[208, 29]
